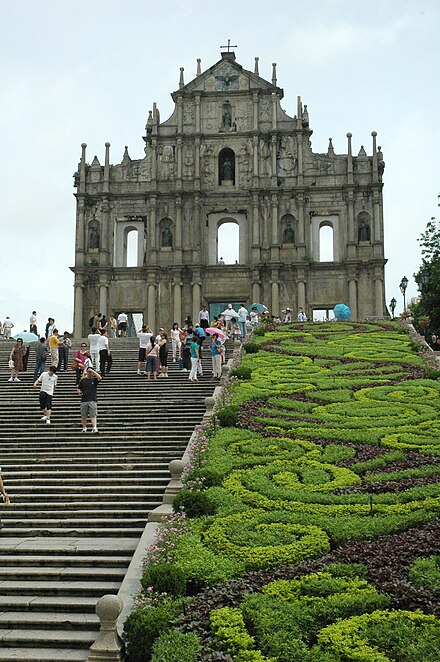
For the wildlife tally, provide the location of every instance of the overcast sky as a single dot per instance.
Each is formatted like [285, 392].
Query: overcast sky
[73, 72]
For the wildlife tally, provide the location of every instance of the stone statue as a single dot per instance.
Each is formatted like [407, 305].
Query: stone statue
[288, 234]
[167, 238]
[228, 170]
[227, 120]
[93, 237]
[364, 231]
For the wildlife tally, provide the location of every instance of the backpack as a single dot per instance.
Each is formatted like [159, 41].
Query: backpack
[91, 321]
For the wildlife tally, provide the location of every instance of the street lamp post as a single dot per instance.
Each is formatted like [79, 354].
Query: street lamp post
[393, 304]
[403, 285]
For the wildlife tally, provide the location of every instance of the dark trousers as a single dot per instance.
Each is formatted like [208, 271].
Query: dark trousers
[40, 367]
[105, 362]
[63, 357]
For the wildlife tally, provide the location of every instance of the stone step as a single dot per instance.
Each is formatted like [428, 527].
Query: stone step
[38, 654]
[36, 604]
[19, 573]
[48, 637]
[45, 561]
[77, 531]
[64, 588]
[62, 620]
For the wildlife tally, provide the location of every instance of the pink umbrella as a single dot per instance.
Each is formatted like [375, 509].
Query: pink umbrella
[211, 330]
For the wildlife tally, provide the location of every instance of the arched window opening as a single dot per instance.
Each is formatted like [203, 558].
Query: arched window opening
[226, 167]
[132, 241]
[228, 242]
[326, 243]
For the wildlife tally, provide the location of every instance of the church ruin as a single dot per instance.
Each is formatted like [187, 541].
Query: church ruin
[229, 154]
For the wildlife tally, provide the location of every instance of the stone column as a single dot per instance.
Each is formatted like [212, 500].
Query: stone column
[103, 295]
[151, 321]
[196, 296]
[178, 301]
[78, 315]
[352, 297]
[178, 233]
[179, 158]
[378, 297]
[376, 214]
[300, 160]
[197, 102]
[152, 224]
[275, 294]
[255, 110]
[255, 293]
[197, 163]
[301, 227]
[301, 294]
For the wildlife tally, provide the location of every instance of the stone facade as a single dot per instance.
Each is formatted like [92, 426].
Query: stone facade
[229, 153]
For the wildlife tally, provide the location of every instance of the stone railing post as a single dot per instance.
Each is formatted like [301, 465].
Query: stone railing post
[209, 404]
[175, 485]
[108, 646]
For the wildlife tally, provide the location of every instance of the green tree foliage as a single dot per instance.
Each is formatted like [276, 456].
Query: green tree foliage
[427, 311]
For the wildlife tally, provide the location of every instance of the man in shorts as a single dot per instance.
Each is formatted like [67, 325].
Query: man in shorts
[87, 390]
[48, 382]
[122, 325]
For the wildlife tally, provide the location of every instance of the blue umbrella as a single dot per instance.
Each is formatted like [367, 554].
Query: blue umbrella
[259, 306]
[26, 336]
[341, 311]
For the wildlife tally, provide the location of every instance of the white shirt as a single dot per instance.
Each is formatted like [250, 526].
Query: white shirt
[33, 319]
[102, 342]
[204, 315]
[229, 313]
[8, 324]
[243, 313]
[122, 317]
[48, 382]
[254, 317]
[144, 339]
[93, 339]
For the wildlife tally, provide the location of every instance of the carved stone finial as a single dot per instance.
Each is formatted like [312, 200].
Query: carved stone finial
[274, 73]
[199, 67]
[108, 645]
[256, 66]
[181, 83]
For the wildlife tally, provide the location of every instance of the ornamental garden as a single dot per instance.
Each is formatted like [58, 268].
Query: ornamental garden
[308, 528]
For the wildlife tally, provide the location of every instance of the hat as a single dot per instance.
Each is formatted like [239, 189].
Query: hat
[229, 305]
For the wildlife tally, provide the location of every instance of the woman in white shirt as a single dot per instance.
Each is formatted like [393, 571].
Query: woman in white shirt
[175, 340]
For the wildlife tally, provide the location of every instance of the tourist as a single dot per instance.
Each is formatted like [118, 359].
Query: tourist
[63, 351]
[105, 356]
[163, 354]
[5, 497]
[144, 336]
[41, 352]
[83, 361]
[7, 328]
[287, 312]
[16, 360]
[301, 317]
[103, 324]
[113, 326]
[87, 390]
[54, 343]
[93, 339]
[254, 316]
[152, 358]
[25, 356]
[216, 355]
[228, 315]
[242, 311]
[187, 322]
[33, 323]
[176, 334]
[235, 331]
[204, 317]
[48, 381]
[50, 327]
[195, 360]
[122, 325]
[221, 262]
[186, 349]
[97, 321]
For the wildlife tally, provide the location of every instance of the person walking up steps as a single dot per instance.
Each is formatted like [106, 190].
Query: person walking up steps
[87, 390]
[48, 381]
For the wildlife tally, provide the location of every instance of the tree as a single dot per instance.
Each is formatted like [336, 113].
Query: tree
[426, 312]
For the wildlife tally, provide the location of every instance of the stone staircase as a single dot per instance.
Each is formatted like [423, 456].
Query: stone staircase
[79, 502]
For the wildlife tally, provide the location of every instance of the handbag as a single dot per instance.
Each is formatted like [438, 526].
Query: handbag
[75, 364]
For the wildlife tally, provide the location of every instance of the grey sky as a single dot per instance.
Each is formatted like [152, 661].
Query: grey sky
[73, 72]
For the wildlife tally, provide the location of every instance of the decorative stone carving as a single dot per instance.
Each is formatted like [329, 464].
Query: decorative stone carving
[167, 164]
[94, 236]
[188, 114]
[286, 158]
[227, 78]
[188, 162]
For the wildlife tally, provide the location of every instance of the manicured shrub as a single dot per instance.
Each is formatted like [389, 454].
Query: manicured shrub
[242, 372]
[164, 578]
[251, 347]
[193, 504]
[144, 625]
[259, 331]
[175, 646]
[228, 416]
